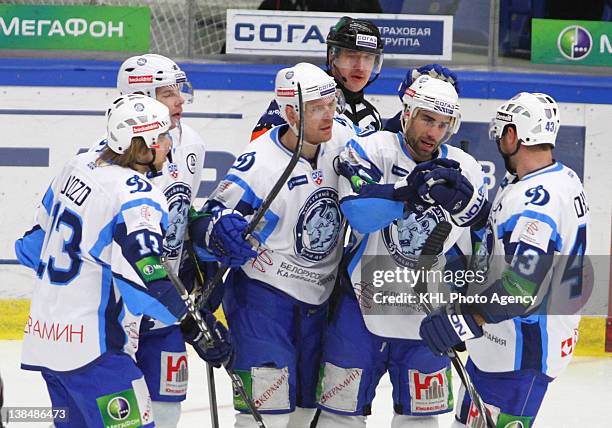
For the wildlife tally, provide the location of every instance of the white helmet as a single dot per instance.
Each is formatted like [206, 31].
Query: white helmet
[145, 73]
[314, 82]
[435, 95]
[535, 116]
[135, 115]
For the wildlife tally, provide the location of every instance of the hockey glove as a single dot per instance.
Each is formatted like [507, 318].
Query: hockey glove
[407, 189]
[220, 351]
[225, 240]
[448, 188]
[446, 327]
[434, 70]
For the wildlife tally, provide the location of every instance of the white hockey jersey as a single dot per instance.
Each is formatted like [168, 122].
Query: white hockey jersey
[91, 220]
[399, 239]
[547, 210]
[300, 233]
[179, 180]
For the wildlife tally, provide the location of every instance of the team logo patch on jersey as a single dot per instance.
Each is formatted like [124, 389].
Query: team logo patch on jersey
[317, 176]
[140, 184]
[179, 200]
[173, 170]
[539, 196]
[244, 162]
[318, 225]
[173, 374]
[404, 238]
[430, 392]
[191, 161]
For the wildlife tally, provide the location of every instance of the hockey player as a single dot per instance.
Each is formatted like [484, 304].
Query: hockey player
[354, 60]
[160, 349]
[95, 248]
[275, 298]
[533, 247]
[391, 219]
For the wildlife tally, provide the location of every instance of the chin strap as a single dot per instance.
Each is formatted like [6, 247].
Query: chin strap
[150, 164]
[508, 156]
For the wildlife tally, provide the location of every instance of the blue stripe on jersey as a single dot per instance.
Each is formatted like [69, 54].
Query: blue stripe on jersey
[404, 147]
[249, 197]
[105, 291]
[443, 151]
[544, 338]
[29, 247]
[139, 302]
[557, 166]
[114, 333]
[357, 256]
[509, 225]
[367, 215]
[360, 151]
[48, 200]
[531, 343]
[274, 137]
[518, 349]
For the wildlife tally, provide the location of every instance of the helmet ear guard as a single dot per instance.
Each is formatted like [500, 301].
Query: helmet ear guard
[434, 95]
[534, 115]
[135, 115]
[145, 73]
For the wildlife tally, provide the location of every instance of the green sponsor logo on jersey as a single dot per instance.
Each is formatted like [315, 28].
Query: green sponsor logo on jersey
[247, 381]
[119, 410]
[151, 268]
[518, 286]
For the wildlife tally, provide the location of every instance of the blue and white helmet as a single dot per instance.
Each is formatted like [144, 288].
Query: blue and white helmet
[535, 116]
[435, 95]
[135, 115]
[315, 84]
[145, 73]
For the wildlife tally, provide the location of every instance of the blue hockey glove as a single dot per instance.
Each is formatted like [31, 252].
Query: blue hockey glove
[448, 188]
[225, 238]
[434, 70]
[446, 327]
[407, 190]
[220, 351]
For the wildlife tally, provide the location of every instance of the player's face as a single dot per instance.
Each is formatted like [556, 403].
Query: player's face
[353, 68]
[318, 119]
[425, 133]
[171, 97]
[161, 153]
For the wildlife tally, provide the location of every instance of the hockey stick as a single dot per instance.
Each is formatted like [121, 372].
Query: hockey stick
[193, 311]
[433, 247]
[210, 378]
[268, 200]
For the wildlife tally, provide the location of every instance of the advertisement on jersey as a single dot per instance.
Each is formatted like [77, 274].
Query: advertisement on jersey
[255, 32]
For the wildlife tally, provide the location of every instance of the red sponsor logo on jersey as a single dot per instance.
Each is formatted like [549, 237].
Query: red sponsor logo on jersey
[176, 368]
[425, 383]
[567, 347]
[146, 127]
[140, 79]
[145, 213]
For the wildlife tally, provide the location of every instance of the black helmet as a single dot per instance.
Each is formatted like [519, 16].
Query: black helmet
[353, 34]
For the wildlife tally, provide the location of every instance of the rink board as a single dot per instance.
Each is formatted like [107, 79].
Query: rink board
[45, 123]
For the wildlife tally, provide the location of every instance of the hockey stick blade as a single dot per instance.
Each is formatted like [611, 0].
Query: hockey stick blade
[269, 199]
[434, 245]
[193, 311]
